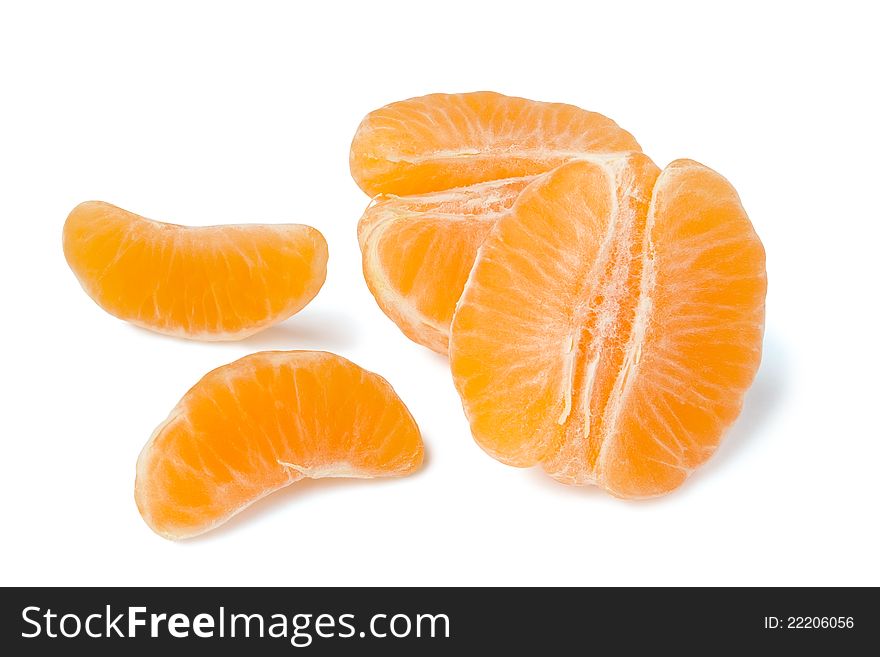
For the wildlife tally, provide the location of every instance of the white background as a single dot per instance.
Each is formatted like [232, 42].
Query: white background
[212, 113]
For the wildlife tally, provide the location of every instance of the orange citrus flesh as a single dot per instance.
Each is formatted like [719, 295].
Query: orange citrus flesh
[441, 141]
[418, 251]
[206, 283]
[263, 422]
[444, 167]
[612, 324]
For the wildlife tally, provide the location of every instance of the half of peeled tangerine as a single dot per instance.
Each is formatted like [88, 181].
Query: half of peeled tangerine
[264, 422]
[203, 283]
[612, 324]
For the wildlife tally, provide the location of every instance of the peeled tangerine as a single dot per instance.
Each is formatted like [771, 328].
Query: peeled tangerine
[612, 324]
[443, 168]
[262, 423]
[206, 283]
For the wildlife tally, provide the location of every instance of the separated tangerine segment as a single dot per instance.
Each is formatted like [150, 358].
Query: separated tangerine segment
[263, 422]
[205, 283]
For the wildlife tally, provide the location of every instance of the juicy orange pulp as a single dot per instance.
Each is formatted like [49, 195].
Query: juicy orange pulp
[442, 168]
[418, 251]
[207, 283]
[442, 141]
[612, 323]
[263, 422]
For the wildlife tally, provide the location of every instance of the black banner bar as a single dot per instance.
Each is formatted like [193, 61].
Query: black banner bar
[434, 621]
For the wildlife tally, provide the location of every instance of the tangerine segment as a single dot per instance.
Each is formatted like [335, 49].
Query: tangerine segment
[207, 283]
[263, 422]
[418, 251]
[441, 141]
[612, 324]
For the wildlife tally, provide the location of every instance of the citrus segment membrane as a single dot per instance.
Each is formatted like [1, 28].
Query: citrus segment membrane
[427, 161]
[612, 323]
[263, 422]
[418, 251]
[442, 141]
[206, 283]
